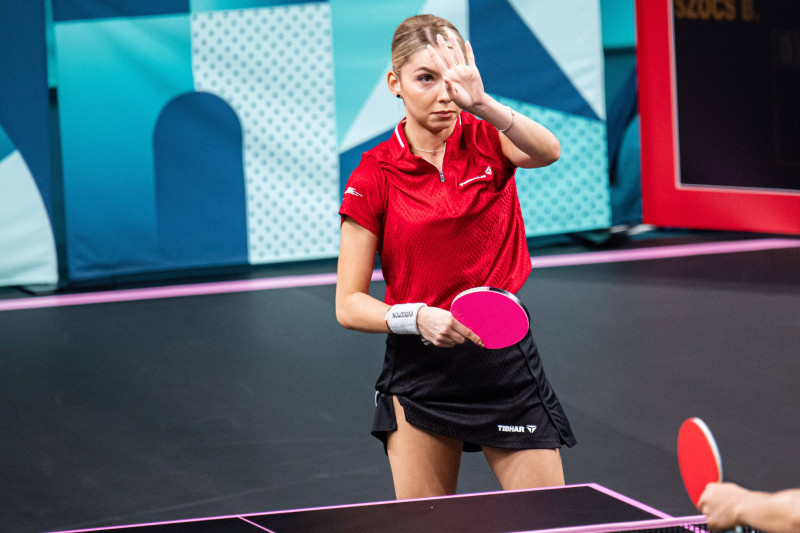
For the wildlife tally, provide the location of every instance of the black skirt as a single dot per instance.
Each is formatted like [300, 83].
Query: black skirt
[496, 398]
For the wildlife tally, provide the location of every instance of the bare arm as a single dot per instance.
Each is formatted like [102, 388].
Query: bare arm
[357, 310]
[527, 144]
[727, 505]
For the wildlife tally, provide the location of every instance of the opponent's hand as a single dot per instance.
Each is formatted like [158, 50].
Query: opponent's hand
[719, 502]
[440, 328]
[461, 76]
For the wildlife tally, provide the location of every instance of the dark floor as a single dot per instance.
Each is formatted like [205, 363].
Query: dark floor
[249, 402]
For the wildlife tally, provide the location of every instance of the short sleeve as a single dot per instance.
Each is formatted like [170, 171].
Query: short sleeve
[362, 200]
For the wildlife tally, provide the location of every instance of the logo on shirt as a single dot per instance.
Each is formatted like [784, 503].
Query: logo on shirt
[353, 191]
[516, 429]
[486, 174]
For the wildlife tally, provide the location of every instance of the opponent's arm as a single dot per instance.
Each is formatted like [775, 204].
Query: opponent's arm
[727, 505]
[525, 142]
[357, 310]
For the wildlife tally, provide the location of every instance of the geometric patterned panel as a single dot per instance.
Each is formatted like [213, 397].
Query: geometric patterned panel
[115, 76]
[361, 61]
[537, 74]
[6, 146]
[199, 182]
[274, 66]
[572, 194]
[578, 54]
[27, 246]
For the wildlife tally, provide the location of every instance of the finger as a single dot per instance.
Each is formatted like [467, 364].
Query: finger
[470, 54]
[457, 52]
[475, 339]
[456, 340]
[468, 334]
[444, 342]
[446, 50]
[455, 49]
[444, 338]
[451, 336]
[437, 58]
[448, 85]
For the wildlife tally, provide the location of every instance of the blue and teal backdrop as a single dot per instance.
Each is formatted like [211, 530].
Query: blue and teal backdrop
[205, 133]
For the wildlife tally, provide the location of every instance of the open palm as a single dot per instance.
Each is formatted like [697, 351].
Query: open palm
[461, 76]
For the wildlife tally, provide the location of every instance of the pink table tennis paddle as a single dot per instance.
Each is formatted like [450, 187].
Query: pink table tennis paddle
[698, 457]
[498, 317]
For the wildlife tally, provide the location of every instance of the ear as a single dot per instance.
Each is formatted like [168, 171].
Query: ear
[393, 81]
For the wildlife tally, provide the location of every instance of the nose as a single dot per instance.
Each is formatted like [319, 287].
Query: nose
[444, 96]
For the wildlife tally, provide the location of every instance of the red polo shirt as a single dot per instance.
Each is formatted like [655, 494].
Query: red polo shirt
[437, 238]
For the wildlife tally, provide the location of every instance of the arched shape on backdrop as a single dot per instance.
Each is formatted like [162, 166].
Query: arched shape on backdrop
[200, 185]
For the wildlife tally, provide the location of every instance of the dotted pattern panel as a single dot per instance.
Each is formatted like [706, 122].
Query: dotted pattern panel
[571, 194]
[274, 66]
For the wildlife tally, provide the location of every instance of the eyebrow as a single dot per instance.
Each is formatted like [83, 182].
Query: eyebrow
[426, 69]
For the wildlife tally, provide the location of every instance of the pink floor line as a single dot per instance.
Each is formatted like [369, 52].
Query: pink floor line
[197, 289]
[663, 252]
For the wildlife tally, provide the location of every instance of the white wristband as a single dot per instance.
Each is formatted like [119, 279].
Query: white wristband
[402, 318]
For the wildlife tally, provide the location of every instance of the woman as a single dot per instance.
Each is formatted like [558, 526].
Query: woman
[438, 202]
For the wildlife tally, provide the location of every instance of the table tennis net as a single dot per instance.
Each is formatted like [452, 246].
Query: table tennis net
[694, 528]
[689, 524]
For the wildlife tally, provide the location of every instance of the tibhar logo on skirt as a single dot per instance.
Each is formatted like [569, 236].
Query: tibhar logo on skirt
[515, 429]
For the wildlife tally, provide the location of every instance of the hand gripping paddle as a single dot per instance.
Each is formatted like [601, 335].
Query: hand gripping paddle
[698, 457]
[496, 316]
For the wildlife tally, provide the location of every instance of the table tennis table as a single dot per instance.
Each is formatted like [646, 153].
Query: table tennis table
[585, 508]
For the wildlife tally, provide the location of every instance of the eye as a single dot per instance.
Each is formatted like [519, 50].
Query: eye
[425, 78]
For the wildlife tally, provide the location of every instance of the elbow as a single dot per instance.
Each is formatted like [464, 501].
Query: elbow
[344, 318]
[554, 151]
[546, 154]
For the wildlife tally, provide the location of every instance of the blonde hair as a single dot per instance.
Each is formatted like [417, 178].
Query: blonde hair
[416, 32]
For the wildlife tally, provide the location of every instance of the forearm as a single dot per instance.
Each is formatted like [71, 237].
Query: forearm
[528, 136]
[361, 312]
[778, 512]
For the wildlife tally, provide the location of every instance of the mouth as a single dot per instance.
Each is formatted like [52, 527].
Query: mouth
[443, 114]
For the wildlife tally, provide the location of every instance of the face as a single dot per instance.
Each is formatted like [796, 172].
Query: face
[424, 94]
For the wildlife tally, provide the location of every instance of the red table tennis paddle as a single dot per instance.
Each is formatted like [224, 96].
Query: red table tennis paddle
[496, 316]
[698, 457]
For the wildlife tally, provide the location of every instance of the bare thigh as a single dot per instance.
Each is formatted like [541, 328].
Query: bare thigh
[524, 469]
[423, 464]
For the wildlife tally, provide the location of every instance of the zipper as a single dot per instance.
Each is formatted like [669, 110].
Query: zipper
[441, 171]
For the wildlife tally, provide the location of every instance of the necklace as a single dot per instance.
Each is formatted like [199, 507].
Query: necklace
[432, 151]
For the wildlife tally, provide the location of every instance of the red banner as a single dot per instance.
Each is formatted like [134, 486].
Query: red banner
[731, 163]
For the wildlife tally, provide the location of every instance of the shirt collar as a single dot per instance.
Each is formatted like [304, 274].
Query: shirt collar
[399, 143]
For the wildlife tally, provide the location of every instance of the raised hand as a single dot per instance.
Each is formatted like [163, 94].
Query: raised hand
[461, 76]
